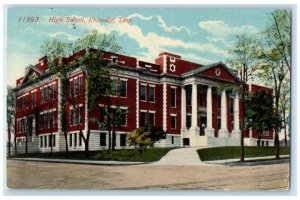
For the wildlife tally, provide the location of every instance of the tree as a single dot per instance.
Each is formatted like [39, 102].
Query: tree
[145, 136]
[244, 60]
[276, 58]
[111, 118]
[10, 118]
[86, 52]
[284, 108]
[260, 112]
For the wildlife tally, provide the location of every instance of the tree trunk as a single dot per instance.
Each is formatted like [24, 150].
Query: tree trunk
[15, 144]
[242, 156]
[26, 143]
[276, 127]
[113, 138]
[284, 122]
[66, 143]
[86, 142]
[9, 140]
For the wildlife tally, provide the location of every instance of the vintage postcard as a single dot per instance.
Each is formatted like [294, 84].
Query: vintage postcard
[148, 98]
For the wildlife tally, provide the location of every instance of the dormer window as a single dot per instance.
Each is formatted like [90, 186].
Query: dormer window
[114, 59]
[172, 59]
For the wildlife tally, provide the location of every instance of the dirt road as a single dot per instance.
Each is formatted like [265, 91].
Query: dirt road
[28, 174]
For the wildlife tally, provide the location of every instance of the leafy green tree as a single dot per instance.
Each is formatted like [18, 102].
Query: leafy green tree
[87, 53]
[10, 118]
[260, 112]
[111, 118]
[244, 59]
[145, 136]
[276, 58]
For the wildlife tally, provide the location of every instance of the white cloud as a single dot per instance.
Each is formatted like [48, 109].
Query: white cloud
[163, 24]
[220, 28]
[60, 33]
[142, 17]
[152, 41]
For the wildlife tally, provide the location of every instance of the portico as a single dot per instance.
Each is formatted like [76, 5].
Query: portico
[204, 115]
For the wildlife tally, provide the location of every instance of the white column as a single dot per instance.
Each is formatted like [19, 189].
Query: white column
[236, 132]
[236, 113]
[209, 107]
[209, 130]
[183, 109]
[194, 106]
[223, 111]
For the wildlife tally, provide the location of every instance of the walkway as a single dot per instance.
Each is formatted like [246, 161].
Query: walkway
[181, 157]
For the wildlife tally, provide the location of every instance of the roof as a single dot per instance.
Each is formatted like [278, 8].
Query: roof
[207, 67]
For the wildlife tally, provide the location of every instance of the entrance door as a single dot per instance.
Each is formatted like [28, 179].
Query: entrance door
[186, 141]
[202, 125]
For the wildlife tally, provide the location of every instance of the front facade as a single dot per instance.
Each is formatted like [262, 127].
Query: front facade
[177, 95]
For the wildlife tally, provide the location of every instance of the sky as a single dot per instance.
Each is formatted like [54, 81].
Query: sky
[201, 35]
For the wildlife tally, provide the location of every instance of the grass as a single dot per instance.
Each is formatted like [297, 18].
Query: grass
[220, 153]
[150, 155]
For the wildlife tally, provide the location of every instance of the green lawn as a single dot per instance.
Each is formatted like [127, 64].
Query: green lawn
[220, 153]
[150, 155]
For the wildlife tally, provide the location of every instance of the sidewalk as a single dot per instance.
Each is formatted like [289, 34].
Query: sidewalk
[263, 159]
[89, 162]
[180, 157]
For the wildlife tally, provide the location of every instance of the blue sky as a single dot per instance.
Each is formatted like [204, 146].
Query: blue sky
[202, 35]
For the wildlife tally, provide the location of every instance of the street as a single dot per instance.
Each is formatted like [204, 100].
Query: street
[44, 175]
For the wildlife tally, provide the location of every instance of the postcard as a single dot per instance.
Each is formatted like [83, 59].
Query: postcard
[103, 98]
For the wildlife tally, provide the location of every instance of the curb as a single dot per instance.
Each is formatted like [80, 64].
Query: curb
[88, 162]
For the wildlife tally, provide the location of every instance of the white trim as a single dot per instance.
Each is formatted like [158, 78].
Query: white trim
[172, 59]
[173, 86]
[189, 114]
[137, 102]
[164, 64]
[148, 66]
[173, 114]
[123, 79]
[152, 85]
[144, 111]
[152, 111]
[143, 84]
[165, 106]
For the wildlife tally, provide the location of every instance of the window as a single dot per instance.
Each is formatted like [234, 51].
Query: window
[80, 140]
[80, 85]
[143, 119]
[151, 119]
[122, 140]
[76, 87]
[189, 97]
[41, 141]
[50, 141]
[53, 142]
[173, 97]
[173, 122]
[33, 99]
[122, 88]
[219, 123]
[80, 117]
[70, 140]
[219, 102]
[71, 88]
[231, 105]
[102, 139]
[143, 93]
[75, 139]
[188, 121]
[151, 94]
[45, 141]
